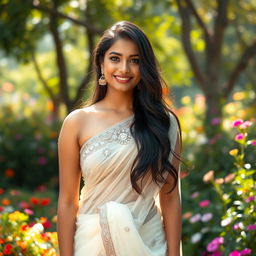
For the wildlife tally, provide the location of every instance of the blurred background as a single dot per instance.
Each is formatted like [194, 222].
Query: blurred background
[206, 50]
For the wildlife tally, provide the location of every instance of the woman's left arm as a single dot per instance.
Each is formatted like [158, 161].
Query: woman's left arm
[170, 204]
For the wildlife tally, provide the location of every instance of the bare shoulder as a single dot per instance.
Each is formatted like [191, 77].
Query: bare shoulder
[72, 123]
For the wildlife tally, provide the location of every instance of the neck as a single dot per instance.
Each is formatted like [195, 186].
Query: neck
[119, 102]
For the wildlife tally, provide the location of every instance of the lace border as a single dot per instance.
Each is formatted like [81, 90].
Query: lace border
[105, 232]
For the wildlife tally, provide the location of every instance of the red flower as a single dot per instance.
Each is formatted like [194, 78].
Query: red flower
[34, 200]
[45, 201]
[1, 208]
[9, 173]
[24, 227]
[1, 191]
[1, 241]
[47, 224]
[8, 249]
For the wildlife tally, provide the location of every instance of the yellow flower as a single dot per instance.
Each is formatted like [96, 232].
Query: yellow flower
[17, 216]
[185, 100]
[239, 96]
[233, 152]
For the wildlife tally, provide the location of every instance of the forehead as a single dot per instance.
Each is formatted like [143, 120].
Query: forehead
[124, 46]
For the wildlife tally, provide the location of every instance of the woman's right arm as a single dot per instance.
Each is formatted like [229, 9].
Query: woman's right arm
[69, 183]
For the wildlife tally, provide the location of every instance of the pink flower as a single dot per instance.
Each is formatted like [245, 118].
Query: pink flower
[42, 160]
[24, 205]
[219, 240]
[251, 227]
[217, 253]
[249, 199]
[204, 203]
[246, 251]
[28, 211]
[239, 136]
[195, 195]
[216, 121]
[235, 253]
[245, 125]
[213, 246]
[195, 218]
[253, 143]
[238, 226]
[237, 122]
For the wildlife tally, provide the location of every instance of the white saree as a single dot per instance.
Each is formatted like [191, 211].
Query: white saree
[113, 219]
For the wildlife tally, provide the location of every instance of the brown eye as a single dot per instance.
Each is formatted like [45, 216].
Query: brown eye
[114, 58]
[135, 61]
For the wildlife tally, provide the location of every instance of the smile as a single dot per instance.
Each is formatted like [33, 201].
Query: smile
[123, 79]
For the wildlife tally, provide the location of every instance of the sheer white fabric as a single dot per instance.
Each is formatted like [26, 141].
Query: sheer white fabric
[113, 219]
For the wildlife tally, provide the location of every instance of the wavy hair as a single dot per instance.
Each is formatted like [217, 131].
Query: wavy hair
[151, 113]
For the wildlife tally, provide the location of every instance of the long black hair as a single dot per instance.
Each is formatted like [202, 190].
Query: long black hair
[151, 114]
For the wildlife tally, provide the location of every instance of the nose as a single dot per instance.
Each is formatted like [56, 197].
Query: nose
[124, 67]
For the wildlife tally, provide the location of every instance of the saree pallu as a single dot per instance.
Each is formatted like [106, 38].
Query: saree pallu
[113, 219]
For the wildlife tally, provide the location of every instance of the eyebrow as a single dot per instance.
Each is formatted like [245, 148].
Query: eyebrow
[119, 54]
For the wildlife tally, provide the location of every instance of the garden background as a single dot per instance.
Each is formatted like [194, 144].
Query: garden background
[207, 53]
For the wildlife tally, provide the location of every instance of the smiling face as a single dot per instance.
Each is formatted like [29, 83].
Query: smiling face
[121, 65]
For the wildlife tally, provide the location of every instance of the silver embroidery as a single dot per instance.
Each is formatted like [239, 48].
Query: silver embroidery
[115, 133]
[105, 232]
[106, 152]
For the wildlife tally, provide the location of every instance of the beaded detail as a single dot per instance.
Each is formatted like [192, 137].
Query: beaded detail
[119, 133]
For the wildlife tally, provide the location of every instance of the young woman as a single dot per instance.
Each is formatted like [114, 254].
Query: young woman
[126, 145]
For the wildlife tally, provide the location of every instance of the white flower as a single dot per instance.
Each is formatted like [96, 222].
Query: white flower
[206, 217]
[8, 209]
[196, 238]
[38, 228]
[226, 222]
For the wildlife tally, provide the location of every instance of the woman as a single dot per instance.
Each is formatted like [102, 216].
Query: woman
[126, 146]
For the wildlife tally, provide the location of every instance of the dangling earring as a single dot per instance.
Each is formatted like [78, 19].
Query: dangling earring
[102, 80]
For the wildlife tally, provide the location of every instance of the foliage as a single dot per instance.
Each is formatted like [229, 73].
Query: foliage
[231, 216]
[27, 149]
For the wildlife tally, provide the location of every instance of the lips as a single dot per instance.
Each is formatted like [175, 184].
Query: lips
[123, 79]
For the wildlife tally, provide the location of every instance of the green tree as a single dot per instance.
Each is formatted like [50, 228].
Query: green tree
[226, 52]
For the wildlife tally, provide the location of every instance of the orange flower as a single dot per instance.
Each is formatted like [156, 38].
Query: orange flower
[45, 201]
[6, 201]
[9, 173]
[34, 200]
[1, 241]
[21, 244]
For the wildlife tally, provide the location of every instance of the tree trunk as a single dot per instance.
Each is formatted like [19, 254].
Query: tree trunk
[213, 115]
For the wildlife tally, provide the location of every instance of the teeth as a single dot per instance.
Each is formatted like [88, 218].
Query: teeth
[122, 78]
